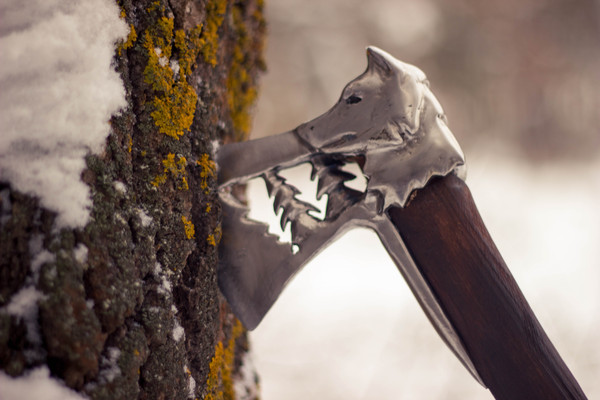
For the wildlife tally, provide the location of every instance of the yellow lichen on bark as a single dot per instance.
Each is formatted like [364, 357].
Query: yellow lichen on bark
[188, 48]
[175, 102]
[188, 227]
[175, 169]
[219, 384]
[214, 238]
[131, 38]
[215, 13]
[208, 169]
[241, 90]
[211, 240]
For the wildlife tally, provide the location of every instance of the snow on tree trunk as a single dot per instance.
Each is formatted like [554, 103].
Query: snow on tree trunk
[109, 224]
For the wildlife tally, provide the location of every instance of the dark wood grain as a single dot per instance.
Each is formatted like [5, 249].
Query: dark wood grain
[451, 246]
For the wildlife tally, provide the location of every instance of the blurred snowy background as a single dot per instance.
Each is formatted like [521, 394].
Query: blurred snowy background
[519, 81]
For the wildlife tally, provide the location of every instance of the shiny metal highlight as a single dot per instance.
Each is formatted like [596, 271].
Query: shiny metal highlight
[390, 123]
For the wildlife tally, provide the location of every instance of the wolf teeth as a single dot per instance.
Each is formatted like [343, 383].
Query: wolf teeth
[284, 197]
[275, 183]
[291, 213]
[331, 179]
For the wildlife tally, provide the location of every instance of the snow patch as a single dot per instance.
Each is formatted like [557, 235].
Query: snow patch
[191, 382]
[174, 67]
[145, 219]
[157, 269]
[120, 187]
[37, 384]
[42, 258]
[81, 253]
[58, 93]
[22, 302]
[165, 287]
[191, 386]
[23, 305]
[178, 332]
[109, 366]
[214, 148]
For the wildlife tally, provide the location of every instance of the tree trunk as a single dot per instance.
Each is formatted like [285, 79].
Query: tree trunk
[128, 306]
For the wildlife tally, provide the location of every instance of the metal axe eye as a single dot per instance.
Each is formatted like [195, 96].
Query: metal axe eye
[353, 99]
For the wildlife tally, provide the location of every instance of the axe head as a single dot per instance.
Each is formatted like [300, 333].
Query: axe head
[390, 123]
[388, 120]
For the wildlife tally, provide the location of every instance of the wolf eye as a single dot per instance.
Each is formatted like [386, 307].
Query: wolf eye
[353, 99]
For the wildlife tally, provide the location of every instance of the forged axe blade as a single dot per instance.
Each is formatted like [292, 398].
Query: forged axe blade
[254, 267]
[389, 117]
[250, 281]
[253, 274]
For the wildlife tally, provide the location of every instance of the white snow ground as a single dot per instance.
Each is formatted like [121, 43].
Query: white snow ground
[348, 327]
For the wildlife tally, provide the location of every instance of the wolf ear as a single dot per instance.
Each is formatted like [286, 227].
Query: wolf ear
[379, 60]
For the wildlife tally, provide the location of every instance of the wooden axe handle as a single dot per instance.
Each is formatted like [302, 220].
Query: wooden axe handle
[449, 243]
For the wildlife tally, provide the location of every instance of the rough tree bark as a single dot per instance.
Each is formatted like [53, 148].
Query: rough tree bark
[130, 306]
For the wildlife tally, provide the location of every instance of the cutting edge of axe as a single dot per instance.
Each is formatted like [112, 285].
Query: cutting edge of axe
[391, 124]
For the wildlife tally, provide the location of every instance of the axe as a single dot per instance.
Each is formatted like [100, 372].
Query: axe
[388, 121]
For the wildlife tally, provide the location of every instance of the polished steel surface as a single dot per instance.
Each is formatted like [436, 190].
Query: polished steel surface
[389, 122]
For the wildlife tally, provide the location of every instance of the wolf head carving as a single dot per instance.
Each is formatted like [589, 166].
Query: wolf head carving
[389, 116]
[388, 120]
